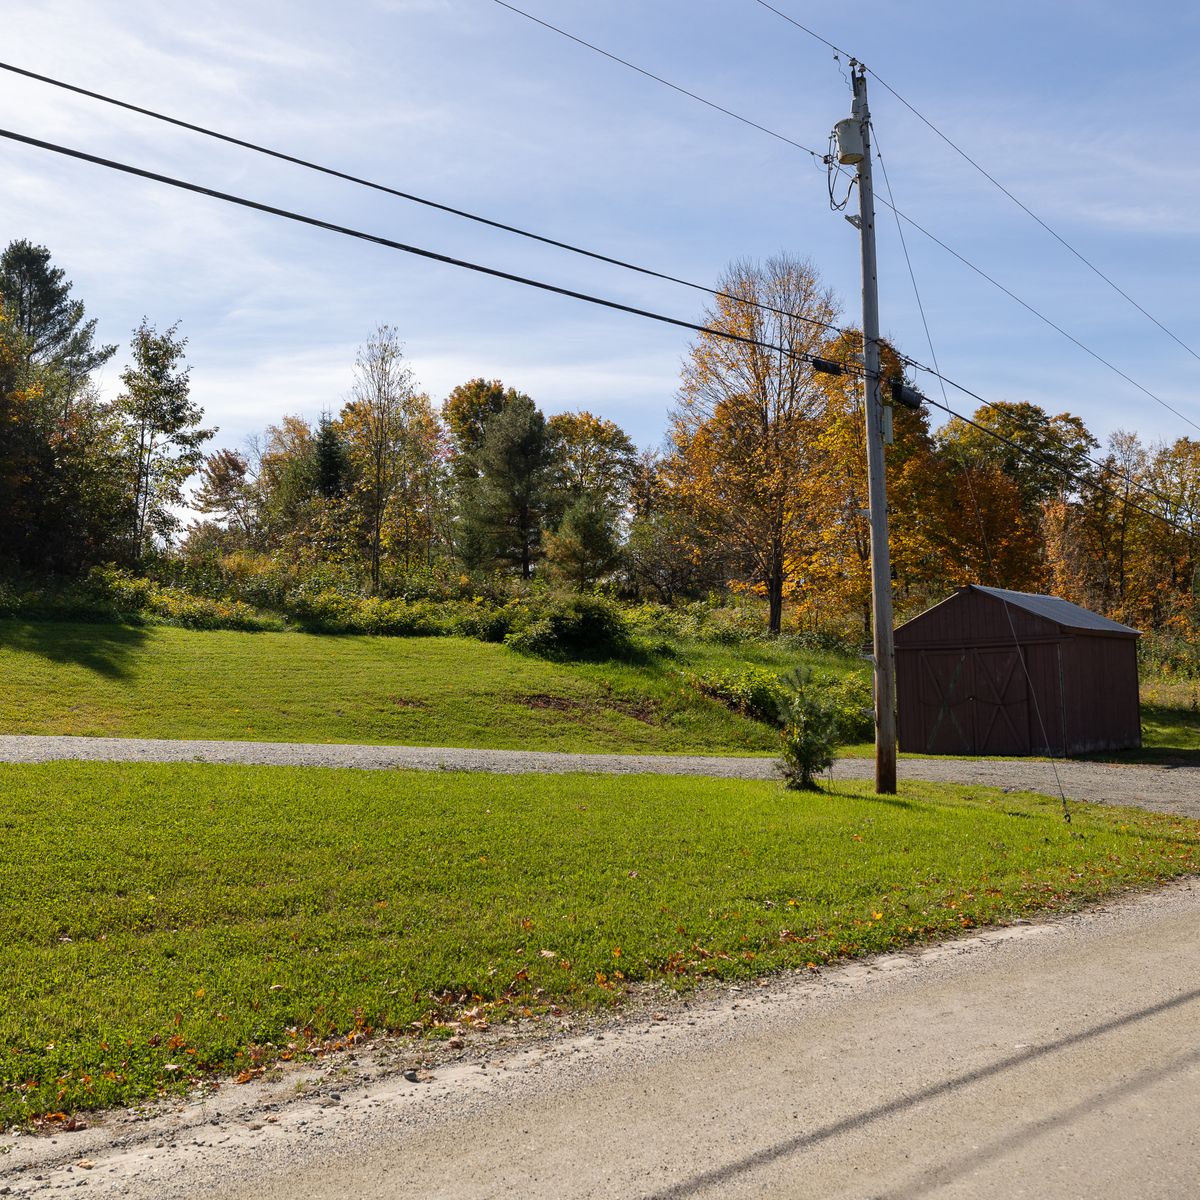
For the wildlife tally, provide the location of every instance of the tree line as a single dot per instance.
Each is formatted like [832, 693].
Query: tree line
[759, 486]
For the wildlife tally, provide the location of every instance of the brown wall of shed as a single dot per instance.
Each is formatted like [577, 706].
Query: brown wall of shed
[1101, 693]
[1081, 690]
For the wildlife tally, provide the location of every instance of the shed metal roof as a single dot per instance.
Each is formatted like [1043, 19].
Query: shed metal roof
[1061, 612]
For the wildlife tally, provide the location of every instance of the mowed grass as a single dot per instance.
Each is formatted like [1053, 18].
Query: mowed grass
[158, 681]
[1171, 720]
[165, 924]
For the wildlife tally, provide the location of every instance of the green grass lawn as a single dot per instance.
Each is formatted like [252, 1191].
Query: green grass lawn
[159, 924]
[159, 681]
[1170, 721]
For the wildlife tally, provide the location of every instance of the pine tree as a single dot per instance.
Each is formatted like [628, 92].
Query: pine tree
[501, 513]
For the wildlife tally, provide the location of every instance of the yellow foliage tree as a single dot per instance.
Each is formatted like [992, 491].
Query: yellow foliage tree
[748, 420]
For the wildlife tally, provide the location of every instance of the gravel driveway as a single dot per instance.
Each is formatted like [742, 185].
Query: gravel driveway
[1166, 789]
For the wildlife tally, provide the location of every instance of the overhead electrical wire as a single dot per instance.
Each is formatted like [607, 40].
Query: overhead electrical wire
[1099, 465]
[659, 79]
[936, 371]
[358, 180]
[1087, 262]
[1041, 316]
[391, 244]
[812, 33]
[1031, 452]
[822, 158]
[493, 272]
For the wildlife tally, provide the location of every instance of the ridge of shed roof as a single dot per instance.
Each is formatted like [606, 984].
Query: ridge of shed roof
[1053, 608]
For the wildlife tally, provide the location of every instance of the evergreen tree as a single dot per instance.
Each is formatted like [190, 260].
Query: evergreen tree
[501, 513]
[584, 547]
[331, 461]
[56, 337]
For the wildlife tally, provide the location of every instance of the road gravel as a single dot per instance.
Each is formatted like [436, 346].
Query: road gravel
[1167, 789]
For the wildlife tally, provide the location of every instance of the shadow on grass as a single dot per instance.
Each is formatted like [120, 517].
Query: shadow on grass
[108, 650]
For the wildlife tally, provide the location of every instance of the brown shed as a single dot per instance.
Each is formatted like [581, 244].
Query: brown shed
[988, 671]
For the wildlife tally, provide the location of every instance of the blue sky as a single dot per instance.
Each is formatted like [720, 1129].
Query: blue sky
[1082, 109]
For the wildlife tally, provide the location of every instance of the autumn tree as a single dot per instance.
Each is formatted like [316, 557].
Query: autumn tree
[748, 416]
[226, 492]
[466, 412]
[591, 458]
[1043, 455]
[834, 577]
[392, 440]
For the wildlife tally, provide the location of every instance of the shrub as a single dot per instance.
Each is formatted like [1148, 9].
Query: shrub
[579, 627]
[756, 692]
[114, 592]
[1163, 653]
[853, 700]
[809, 734]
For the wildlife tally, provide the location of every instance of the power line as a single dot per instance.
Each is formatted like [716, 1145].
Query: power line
[1041, 316]
[936, 372]
[812, 33]
[920, 228]
[309, 165]
[659, 79]
[1100, 466]
[1087, 262]
[1030, 452]
[391, 244]
[1029, 212]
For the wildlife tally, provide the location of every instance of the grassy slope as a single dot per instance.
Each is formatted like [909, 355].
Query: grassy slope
[159, 681]
[1170, 720]
[158, 922]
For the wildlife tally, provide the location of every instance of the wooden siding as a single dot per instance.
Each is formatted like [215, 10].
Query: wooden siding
[966, 685]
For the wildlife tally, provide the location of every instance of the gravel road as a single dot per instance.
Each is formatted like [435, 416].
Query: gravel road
[1167, 789]
[1052, 1060]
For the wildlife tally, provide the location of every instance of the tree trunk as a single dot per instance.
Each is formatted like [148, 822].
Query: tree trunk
[775, 590]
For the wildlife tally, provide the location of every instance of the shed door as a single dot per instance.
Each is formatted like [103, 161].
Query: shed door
[944, 697]
[1001, 703]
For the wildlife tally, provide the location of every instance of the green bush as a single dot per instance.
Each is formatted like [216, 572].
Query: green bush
[1169, 654]
[766, 695]
[853, 700]
[810, 732]
[756, 692]
[127, 595]
[575, 627]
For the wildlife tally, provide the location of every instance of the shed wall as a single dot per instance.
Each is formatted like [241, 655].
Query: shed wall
[1101, 694]
[962, 687]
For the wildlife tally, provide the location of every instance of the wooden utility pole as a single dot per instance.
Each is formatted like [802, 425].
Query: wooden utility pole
[881, 561]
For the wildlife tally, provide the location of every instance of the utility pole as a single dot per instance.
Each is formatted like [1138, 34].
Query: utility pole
[854, 146]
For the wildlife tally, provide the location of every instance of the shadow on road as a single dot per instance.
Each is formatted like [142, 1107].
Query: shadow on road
[938, 1177]
[718, 1176]
[108, 650]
